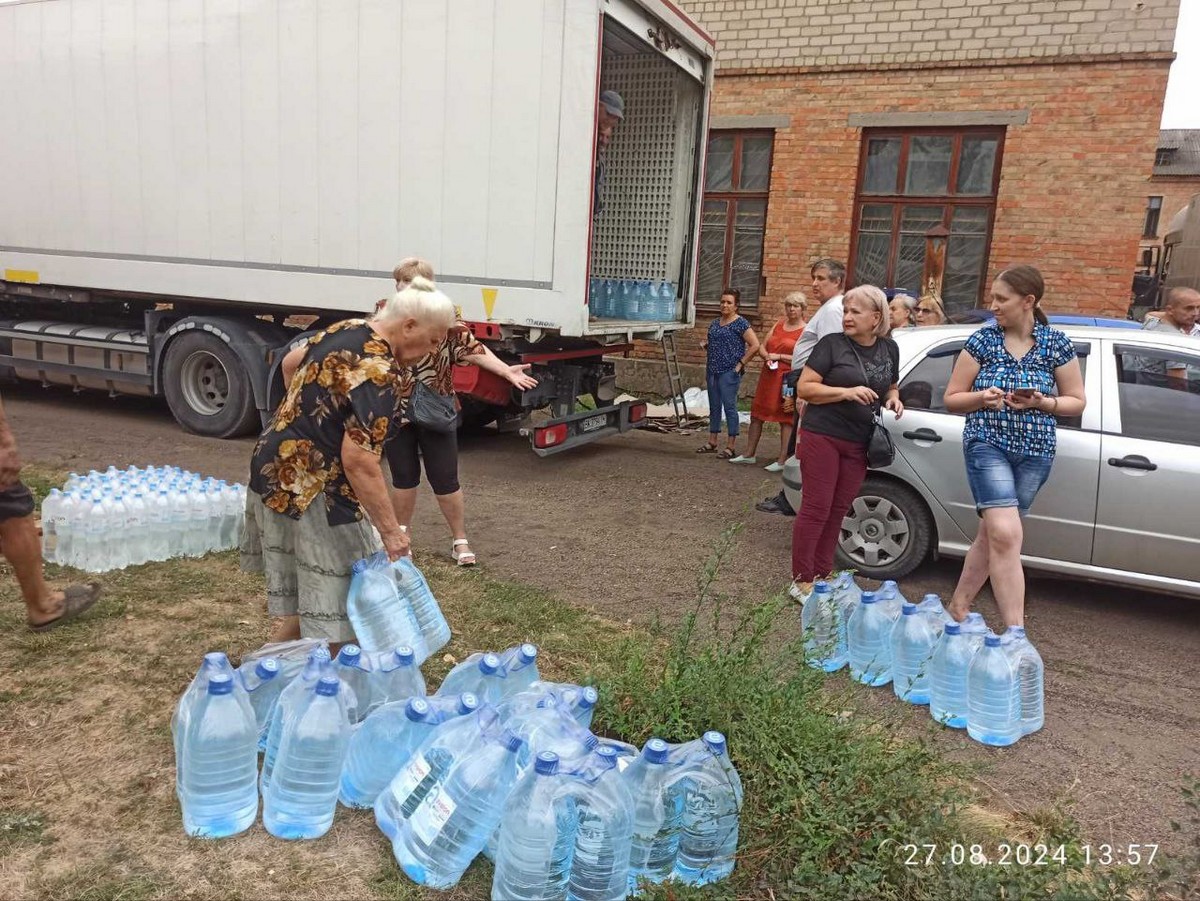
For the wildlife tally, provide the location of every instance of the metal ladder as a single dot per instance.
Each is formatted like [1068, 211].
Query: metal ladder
[674, 377]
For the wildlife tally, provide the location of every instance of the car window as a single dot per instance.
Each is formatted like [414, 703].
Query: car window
[924, 388]
[1159, 394]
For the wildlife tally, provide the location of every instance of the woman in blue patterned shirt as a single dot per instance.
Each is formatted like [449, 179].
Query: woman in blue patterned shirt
[1014, 377]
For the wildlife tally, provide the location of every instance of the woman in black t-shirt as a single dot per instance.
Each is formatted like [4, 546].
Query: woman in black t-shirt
[846, 377]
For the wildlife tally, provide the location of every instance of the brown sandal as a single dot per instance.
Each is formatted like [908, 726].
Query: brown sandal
[77, 599]
[706, 449]
[725, 453]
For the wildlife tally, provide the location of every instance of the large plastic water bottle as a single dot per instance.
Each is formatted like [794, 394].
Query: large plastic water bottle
[993, 702]
[218, 794]
[629, 301]
[394, 676]
[290, 700]
[1030, 673]
[604, 835]
[537, 843]
[712, 804]
[383, 745]
[869, 643]
[890, 599]
[520, 668]
[302, 797]
[413, 588]
[480, 674]
[353, 668]
[657, 814]
[382, 619]
[579, 701]
[931, 608]
[263, 684]
[426, 767]
[913, 640]
[447, 830]
[819, 621]
[213, 664]
[948, 676]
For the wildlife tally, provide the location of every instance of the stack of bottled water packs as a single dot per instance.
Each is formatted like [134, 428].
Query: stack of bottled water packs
[648, 300]
[991, 685]
[122, 517]
[496, 762]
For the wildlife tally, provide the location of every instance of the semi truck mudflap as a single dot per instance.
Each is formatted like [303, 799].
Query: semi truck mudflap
[586, 426]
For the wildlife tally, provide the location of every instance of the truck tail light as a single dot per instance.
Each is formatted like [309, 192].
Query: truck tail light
[550, 436]
[637, 412]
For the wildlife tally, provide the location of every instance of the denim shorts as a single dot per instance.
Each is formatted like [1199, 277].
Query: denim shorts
[999, 478]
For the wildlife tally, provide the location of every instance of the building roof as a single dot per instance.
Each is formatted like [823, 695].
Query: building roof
[1178, 152]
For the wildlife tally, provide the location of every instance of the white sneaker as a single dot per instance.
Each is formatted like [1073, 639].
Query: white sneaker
[799, 591]
[774, 466]
[743, 459]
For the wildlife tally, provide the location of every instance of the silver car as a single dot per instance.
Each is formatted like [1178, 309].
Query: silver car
[1122, 504]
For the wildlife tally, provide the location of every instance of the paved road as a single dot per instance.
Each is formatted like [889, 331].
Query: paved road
[623, 526]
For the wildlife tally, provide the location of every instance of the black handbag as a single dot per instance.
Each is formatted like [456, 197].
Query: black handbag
[881, 450]
[433, 411]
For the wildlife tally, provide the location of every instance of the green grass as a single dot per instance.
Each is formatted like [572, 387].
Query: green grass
[833, 793]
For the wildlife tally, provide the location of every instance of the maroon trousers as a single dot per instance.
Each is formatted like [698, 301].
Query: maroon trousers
[831, 472]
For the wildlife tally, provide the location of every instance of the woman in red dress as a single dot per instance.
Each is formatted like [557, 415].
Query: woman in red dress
[776, 352]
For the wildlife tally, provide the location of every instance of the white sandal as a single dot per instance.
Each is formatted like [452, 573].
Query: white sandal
[462, 558]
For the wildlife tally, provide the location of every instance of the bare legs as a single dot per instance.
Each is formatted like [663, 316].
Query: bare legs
[752, 437]
[404, 502]
[996, 554]
[23, 549]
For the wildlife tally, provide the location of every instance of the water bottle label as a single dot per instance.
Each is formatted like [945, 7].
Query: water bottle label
[406, 783]
[428, 819]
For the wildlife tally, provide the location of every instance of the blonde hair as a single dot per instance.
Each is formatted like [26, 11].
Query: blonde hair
[798, 297]
[937, 302]
[872, 298]
[420, 300]
[411, 268]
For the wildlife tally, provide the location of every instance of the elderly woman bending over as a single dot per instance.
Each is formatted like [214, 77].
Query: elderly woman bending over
[316, 483]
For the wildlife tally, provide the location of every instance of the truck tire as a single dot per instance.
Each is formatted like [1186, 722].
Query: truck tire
[207, 388]
[887, 533]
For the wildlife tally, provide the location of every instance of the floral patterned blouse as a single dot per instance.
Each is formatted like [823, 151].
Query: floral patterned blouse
[347, 384]
[436, 370]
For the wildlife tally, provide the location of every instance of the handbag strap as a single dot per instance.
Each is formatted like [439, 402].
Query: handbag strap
[877, 407]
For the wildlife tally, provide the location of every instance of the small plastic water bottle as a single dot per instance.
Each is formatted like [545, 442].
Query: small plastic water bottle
[993, 702]
[302, 797]
[66, 527]
[657, 815]
[537, 843]
[1030, 673]
[712, 805]
[913, 640]
[869, 638]
[394, 676]
[263, 684]
[819, 621]
[219, 796]
[198, 544]
[139, 527]
[382, 619]
[948, 676]
[412, 587]
[353, 668]
[50, 517]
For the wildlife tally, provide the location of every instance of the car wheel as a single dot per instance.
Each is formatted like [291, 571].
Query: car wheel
[887, 533]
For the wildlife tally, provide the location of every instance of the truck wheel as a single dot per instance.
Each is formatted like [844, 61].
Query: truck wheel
[887, 533]
[207, 388]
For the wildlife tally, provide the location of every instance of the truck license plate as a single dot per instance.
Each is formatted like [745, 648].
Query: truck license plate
[592, 423]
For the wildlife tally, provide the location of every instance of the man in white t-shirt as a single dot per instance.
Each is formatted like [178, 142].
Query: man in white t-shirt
[828, 284]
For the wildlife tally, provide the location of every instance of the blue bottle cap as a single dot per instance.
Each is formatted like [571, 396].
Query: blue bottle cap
[319, 654]
[588, 698]
[869, 597]
[467, 703]
[416, 709]
[992, 640]
[405, 655]
[360, 566]
[528, 653]
[590, 742]
[821, 586]
[512, 741]
[267, 669]
[909, 609]
[546, 763]
[220, 684]
[349, 655]
[607, 755]
[656, 751]
[215, 659]
[953, 628]
[715, 742]
[489, 664]
[327, 686]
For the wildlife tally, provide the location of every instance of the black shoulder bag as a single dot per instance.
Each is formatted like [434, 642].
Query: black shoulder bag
[430, 410]
[881, 450]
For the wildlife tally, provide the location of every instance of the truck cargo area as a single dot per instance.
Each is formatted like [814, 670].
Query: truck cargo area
[641, 255]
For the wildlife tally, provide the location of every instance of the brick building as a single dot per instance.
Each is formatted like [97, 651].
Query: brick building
[847, 129]
[1173, 182]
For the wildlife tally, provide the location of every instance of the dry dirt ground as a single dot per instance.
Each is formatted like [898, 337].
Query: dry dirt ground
[622, 527]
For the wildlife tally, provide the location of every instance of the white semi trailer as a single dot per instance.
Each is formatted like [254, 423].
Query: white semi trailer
[185, 185]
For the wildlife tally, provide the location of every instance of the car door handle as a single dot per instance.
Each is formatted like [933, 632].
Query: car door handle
[1133, 461]
[923, 435]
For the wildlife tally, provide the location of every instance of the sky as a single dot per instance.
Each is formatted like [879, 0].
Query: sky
[1182, 107]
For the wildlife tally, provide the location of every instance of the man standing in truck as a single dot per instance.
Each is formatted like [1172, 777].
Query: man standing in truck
[609, 113]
